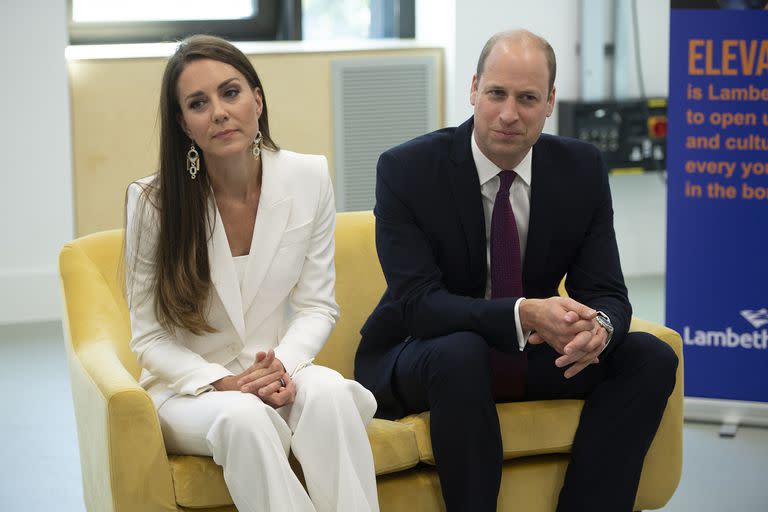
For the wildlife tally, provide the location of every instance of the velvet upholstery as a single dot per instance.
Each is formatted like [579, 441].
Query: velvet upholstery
[124, 464]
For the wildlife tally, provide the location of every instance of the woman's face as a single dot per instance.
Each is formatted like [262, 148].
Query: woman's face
[219, 110]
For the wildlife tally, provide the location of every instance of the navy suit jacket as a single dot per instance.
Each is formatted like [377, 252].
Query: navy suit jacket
[430, 238]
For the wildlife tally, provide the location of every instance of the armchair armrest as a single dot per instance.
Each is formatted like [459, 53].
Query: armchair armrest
[664, 462]
[124, 463]
[121, 443]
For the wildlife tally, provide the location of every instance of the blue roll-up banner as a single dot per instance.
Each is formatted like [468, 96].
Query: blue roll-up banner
[717, 236]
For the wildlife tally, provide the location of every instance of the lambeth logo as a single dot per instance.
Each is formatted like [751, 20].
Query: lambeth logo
[757, 318]
[733, 337]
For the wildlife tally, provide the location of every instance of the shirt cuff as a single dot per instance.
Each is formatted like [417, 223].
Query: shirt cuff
[522, 338]
[200, 380]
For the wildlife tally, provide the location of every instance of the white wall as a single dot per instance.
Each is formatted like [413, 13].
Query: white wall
[36, 193]
[436, 24]
[639, 201]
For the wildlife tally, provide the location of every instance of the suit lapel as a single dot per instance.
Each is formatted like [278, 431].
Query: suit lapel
[542, 212]
[271, 220]
[465, 186]
[223, 272]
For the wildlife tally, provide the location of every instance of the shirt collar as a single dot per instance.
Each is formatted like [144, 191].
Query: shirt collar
[487, 170]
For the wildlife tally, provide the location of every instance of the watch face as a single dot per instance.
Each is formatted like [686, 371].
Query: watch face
[603, 320]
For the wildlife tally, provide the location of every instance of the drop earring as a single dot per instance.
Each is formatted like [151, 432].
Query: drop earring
[193, 161]
[256, 146]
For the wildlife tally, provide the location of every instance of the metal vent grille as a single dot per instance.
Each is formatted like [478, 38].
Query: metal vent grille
[377, 103]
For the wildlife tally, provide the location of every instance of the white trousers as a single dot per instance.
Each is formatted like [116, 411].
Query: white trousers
[324, 427]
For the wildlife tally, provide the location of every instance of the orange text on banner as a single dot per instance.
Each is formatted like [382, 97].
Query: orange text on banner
[732, 57]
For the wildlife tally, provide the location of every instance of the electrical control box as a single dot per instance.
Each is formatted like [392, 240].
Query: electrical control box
[631, 134]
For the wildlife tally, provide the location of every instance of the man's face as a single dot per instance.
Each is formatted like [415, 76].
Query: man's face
[512, 100]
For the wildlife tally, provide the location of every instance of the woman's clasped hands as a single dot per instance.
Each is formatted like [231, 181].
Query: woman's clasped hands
[265, 378]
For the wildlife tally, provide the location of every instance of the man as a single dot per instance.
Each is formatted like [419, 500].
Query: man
[475, 228]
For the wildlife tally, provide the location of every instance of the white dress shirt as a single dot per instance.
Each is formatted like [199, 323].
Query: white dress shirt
[520, 199]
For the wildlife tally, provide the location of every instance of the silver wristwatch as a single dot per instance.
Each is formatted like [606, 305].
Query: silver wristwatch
[606, 324]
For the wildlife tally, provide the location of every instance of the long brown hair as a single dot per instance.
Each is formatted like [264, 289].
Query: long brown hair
[183, 278]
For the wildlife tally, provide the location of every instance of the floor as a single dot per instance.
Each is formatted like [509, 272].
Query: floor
[40, 468]
[40, 462]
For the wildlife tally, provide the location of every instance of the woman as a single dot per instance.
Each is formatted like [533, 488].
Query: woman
[230, 280]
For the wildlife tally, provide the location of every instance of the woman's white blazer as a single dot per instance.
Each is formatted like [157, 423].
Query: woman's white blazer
[287, 299]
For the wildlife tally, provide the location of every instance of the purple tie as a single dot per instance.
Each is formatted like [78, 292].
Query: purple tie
[508, 370]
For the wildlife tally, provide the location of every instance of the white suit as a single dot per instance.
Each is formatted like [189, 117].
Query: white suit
[286, 303]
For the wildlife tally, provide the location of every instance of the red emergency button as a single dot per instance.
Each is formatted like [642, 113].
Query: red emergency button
[657, 127]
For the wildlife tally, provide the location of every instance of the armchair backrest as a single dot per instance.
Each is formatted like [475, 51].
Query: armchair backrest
[94, 294]
[359, 286]
[93, 278]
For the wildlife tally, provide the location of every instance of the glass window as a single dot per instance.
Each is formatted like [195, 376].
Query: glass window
[152, 21]
[147, 21]
[336, 19]
[348, 19]
[165, 10]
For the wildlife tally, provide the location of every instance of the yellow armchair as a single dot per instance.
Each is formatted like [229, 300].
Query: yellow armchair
[124, 463]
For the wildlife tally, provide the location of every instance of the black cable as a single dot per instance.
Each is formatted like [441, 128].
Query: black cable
[638, 63]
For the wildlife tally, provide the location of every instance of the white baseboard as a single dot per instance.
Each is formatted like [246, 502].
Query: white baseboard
[726, 411]
[30, 295]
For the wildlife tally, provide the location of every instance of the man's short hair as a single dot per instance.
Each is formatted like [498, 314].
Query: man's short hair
[542, 43]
